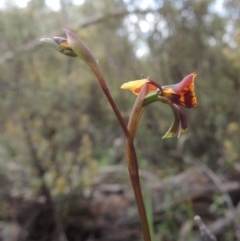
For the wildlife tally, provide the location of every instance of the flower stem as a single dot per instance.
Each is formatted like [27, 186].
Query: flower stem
[135, 116]
[131, 155]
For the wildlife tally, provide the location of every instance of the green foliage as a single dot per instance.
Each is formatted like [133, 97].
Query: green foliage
[218, 206]
[53, 105]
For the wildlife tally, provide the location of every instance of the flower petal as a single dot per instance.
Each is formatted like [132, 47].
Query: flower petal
[136, 85]
[175, 126]
[180, 122]
[182, 93]
[184, 121]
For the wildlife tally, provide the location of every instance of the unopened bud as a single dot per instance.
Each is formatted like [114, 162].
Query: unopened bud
[60, 44]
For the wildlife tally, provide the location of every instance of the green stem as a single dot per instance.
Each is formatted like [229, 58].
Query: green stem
[150, 98]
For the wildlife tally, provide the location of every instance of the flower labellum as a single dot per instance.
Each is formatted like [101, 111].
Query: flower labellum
[182, 93]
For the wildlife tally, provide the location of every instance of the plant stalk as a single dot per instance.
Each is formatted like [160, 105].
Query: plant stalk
[130, 151]
[134, 119]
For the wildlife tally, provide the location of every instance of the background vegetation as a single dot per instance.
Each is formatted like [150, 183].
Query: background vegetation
[61, 148]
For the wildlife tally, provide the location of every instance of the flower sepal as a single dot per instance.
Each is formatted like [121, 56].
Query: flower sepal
[179, 124]
[60, 44]
[74, 46]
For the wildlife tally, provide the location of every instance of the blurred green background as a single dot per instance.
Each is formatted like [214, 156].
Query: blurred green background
[57, 128]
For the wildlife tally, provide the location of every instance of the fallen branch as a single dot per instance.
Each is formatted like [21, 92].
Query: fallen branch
[205, 232]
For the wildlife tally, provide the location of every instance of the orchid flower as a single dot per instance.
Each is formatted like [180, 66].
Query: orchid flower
[180, 94]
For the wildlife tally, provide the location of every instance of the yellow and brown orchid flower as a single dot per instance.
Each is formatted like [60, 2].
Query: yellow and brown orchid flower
[174, 95]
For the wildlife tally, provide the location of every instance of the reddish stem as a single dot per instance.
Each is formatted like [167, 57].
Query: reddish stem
[132, 158]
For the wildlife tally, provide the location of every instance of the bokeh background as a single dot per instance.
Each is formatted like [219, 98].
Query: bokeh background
[62, 152]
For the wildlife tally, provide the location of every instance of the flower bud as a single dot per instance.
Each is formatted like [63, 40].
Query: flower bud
[60, 44]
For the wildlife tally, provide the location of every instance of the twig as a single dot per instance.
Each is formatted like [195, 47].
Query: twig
[221, 187]
[115, 14]
[33, 44]
[205, 232]
[219, 225]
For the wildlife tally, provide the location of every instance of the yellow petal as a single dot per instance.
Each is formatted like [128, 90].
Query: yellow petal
[169, 134]
[181, 131]
[135, 84]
